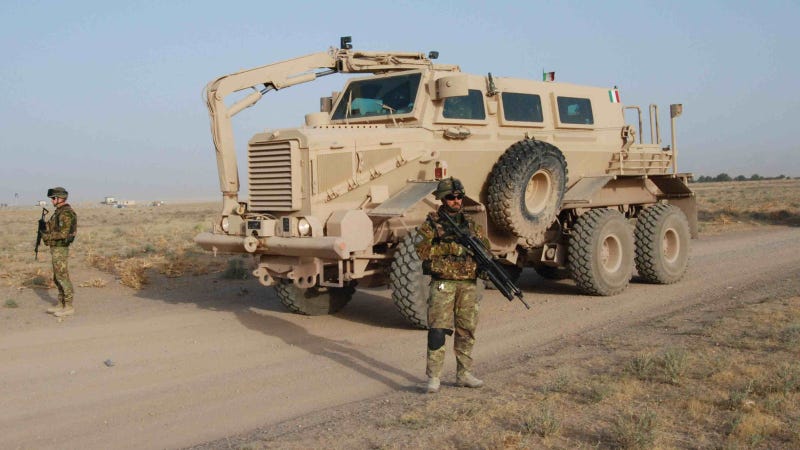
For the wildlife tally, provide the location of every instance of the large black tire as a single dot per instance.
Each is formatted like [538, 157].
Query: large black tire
[600, 254]
[662, 244]
[313, 301]
[410, 287]
[526, 189]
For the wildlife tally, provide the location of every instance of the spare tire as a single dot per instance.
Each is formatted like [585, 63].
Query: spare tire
[526, 189]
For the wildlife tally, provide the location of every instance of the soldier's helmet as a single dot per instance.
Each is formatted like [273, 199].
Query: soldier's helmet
[448, 186]
[57, 192]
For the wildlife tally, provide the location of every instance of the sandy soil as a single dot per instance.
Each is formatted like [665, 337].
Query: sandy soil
[196, 360]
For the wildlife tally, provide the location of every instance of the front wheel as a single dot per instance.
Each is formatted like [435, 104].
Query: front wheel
[662, 244]
[313, 301]
[410, 287]
[600, 254]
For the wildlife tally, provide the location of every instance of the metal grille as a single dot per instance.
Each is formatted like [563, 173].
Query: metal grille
[274, 176]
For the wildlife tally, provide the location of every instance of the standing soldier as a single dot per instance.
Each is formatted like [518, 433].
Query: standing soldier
[60, 233]
[454, 299]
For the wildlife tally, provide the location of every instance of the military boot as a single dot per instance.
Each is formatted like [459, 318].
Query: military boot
[433, 385]
[467, 379]
[55, 309]
[67, 311]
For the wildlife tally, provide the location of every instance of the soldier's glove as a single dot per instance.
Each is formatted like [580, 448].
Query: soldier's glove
[457, 249]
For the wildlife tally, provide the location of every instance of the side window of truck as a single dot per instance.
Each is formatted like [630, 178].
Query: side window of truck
[575, 110]
[468, 107]
[522, 107]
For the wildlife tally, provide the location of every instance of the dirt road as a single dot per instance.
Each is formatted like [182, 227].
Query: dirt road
[192, 360]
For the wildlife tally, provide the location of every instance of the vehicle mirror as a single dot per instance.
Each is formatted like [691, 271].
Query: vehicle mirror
[326, 104]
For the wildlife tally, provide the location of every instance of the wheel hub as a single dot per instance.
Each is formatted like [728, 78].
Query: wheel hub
[538, 191]
[670, 245]
[611, 253]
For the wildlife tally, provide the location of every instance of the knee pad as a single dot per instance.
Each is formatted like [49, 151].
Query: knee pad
[436, 337]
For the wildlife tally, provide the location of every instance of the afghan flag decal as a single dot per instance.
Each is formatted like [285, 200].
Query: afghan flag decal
[613, 95]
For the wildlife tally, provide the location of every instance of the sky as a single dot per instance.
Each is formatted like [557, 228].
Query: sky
[105, 98]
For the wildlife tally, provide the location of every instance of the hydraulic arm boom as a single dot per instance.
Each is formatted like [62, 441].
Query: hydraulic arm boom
[281, 75]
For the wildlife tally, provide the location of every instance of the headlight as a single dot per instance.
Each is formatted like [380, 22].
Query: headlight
[303, 227]
[225, 224]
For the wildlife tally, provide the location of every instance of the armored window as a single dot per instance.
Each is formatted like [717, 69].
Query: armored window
[378, 97]
[575, 110]
[522, 107]
[469, 106]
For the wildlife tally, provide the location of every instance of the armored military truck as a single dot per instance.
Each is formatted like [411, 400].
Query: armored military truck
[552, 171]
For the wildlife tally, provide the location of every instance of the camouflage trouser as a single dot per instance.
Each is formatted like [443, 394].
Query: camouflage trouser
[452, 303]
[61, 274]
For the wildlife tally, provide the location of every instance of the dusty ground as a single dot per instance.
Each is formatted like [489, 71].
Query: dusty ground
[195, 360]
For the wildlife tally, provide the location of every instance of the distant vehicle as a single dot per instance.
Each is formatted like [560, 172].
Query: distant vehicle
[553, 172]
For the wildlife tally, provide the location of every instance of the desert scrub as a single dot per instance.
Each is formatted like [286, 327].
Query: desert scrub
[790, 335]
[132, 272]
[94, 283]
[414, 421]
[641, 366]
[673, 365]
[543, 423]
[38, 279]
[599, 389]
[10, 303]
[635, 430]
[560, 383]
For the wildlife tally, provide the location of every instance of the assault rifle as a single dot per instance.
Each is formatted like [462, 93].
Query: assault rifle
[496, 274]
[42, 229]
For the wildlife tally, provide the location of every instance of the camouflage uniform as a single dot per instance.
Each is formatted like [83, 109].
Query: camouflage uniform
[60, 233]
[454, 291]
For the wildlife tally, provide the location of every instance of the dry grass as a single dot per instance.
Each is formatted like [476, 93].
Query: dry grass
[128, 243]
[733, 204]
[705, 389]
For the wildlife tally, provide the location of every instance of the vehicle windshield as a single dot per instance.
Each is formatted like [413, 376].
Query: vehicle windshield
[378, 97]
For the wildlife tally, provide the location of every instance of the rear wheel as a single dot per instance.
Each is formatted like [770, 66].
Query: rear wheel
[600, 254]
[313, 301]
[410, 287]
[662, 244]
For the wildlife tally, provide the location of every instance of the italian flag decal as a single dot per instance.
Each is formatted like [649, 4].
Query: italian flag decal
[613, 95]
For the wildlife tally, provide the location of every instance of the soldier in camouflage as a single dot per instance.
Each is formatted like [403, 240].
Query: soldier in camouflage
[454, 300]
[61, 229]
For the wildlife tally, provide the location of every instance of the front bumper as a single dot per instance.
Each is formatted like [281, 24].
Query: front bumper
[327, 247]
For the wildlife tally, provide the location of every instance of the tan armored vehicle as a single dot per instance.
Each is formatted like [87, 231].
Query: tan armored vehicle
[559, 180]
